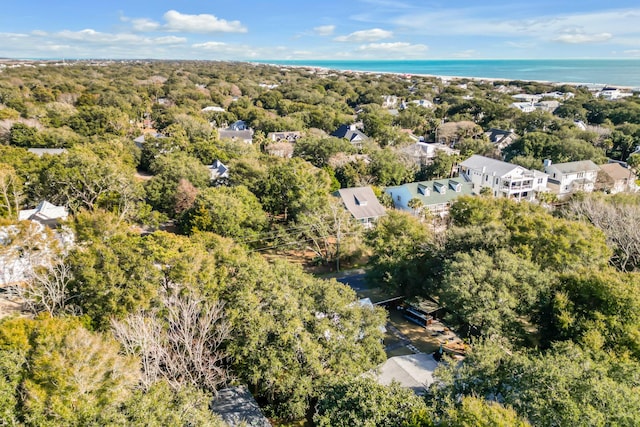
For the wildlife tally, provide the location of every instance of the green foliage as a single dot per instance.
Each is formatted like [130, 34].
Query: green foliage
[318, 151]
[397, 242]
[364, 402]
[162, 406]
[440, 167]
[293, 186]
[550, 242]
[389, 169]
[162, 189]
[22, 135]
[112, 276]
[228, 211]
[491, 293]
[563, 386]
[61, 374]
[597, 308]
[475, 412]
[89, 178]
[292, 333]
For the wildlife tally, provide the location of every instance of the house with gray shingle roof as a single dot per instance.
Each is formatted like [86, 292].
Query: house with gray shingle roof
[502, 178]
[436, 195]
[45, 213]
[362, 203]
[218, 170]
[237, 407]
[568, 178]
[501, 138]
[351, 133]
[236, 135]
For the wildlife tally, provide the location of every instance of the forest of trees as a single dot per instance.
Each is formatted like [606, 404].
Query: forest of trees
[164, 295]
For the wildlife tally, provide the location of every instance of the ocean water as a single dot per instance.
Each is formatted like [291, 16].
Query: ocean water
[620, 72]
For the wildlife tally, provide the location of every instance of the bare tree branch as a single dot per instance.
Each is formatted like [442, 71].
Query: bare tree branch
[183, 345]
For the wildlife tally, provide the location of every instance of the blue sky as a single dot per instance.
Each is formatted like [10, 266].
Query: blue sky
[330, 29]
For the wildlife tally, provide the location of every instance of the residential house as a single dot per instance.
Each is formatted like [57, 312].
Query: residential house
[413, 371]
[237, 407]
[614, 178]
[213, 109]
[289, 136]
[436, 195]
[218, 170]
[139, 141]
[502, 178]
[45, 213]
[612, 94]
[567, 178]
[528, 98]
[245, 135]
[239, 126]
[563, 96]
[548, 106]
[363, 204]
[501, 138]
[424, 103]
[351, 133]
[525, 107]
[389, 101]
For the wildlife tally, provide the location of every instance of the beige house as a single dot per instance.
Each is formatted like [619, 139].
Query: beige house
[614, 178]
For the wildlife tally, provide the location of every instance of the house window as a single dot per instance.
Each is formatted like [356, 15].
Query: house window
[580, 174]
[497, 180]
[539, 180]
[398, 198]
[486, 178]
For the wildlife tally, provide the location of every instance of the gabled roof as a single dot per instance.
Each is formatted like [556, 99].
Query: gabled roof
[414, 371]
[434, 192]
[496, 135]
[44, 212]
[501, 168]
[245, 135]
[218, 170]
[361, 202]
[617, 172]
[290, 136]
[350, 133]
[140, 140]
[573, 167]
[237, 407]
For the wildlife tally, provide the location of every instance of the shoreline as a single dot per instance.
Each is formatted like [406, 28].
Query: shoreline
[451, 77]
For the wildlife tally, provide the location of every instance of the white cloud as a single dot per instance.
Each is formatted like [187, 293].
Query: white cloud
[578, 37]
[632, 52]
[365, 36]
[210, 45]
[170, 40]
[324, 30]
[474, 22]
[203, 23]
[144, 24]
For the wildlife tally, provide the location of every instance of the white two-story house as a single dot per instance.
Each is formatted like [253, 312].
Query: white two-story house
[567, 178]
[502, 178]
